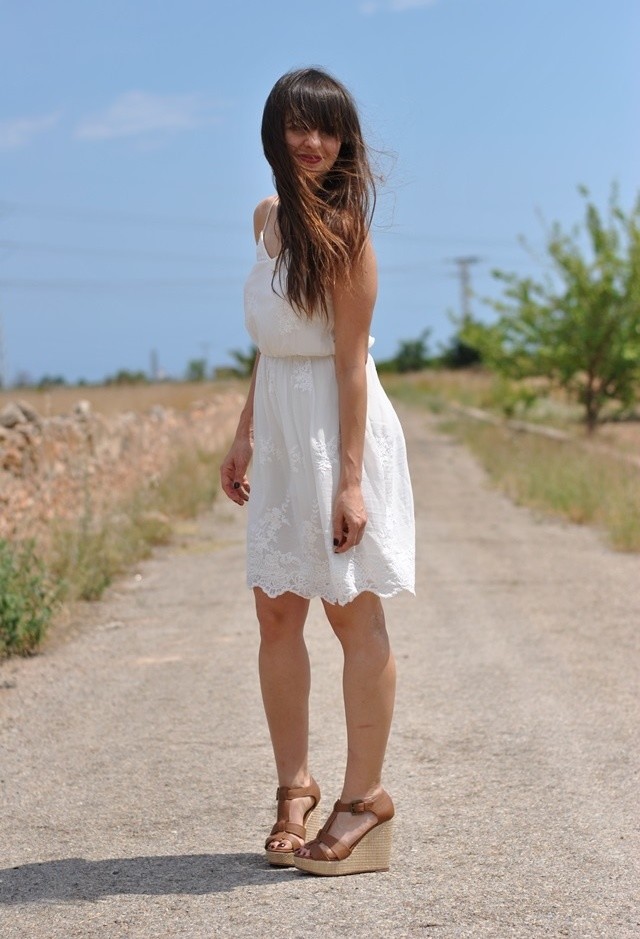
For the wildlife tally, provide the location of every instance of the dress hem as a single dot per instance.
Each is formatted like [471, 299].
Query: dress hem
[336, 601]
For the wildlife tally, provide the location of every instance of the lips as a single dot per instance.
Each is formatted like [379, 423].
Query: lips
[310, 158]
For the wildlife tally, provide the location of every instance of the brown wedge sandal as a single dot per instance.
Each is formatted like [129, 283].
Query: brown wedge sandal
[371, 852]
[284, 830]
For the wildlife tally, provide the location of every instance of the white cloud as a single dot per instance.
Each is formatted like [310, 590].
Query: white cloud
[136, 113]
[368, 7]
[22, 130]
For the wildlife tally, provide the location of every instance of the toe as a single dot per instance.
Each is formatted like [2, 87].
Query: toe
[280, 846]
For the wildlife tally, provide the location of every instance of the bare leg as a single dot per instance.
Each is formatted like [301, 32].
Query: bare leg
[285, 682]
[369, 681]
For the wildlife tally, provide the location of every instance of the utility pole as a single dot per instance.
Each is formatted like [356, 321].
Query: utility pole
[463, 264]
[205, 346]
[155, 371]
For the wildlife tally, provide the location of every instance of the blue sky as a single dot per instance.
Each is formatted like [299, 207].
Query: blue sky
[130, 157]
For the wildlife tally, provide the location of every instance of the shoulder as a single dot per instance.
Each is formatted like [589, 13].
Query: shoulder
[364, 272]
[260, 214]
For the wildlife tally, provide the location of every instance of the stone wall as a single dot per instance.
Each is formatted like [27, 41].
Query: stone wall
[52, 469]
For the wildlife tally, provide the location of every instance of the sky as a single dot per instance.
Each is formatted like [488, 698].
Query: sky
[131, 162]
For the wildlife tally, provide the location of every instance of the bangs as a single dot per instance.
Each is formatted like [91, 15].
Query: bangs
[319, 104]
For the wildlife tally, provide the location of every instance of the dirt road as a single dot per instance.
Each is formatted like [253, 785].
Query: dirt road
[136, 775]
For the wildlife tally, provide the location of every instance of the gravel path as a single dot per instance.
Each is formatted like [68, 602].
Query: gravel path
[136, 775]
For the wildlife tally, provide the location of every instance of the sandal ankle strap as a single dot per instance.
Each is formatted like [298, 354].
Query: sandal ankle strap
[381, 806]
[298, 792]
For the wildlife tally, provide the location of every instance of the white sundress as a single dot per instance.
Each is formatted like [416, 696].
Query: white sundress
[296, 462]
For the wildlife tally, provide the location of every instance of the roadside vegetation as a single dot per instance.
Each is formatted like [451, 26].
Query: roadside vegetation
[572, 476]
[561, 478]
[82, 561]
[562, 351]
[28, 598]
[579, 326]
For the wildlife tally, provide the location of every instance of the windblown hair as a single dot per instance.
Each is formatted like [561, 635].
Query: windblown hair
[324, 224]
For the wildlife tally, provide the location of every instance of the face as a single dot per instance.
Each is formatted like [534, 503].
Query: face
[311, 149]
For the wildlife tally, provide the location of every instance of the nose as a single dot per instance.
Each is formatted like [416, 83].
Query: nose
[313, 137]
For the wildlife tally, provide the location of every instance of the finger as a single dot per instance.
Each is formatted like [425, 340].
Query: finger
[341, 539]
[360, 534]
[234, 496]
[231, 487]
[351, 536]
[241, 492]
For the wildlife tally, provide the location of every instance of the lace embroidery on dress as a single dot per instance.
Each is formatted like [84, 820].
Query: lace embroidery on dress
[302, 375]
[266, 451]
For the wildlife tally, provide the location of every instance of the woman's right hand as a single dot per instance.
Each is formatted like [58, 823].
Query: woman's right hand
[233, 471]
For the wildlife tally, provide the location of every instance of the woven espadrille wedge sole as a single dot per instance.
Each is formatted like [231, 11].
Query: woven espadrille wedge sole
[285, 830]
[372, 852]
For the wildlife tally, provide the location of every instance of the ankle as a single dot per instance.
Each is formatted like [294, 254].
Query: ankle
[301, 780]
[366, 794]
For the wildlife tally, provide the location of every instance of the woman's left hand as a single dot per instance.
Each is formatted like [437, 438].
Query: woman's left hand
[349, 519]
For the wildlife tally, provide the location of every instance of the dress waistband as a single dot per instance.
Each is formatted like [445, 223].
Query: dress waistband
[311, 355]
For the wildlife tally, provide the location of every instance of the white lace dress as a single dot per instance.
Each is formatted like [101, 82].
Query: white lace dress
[296, 463]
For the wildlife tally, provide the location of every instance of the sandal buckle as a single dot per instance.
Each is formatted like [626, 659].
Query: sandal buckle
[357, 807]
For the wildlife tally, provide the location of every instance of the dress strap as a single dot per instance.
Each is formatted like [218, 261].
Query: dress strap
[274, 202]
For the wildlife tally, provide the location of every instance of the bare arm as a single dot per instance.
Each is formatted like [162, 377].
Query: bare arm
[233, 471]
[353, 308]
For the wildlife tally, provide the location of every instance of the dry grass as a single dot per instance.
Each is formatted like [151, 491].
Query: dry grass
[561, 478]
[83, 558]
[114, 399]
[533, 400]
[435, 387]
[587, 484]
[87, 557]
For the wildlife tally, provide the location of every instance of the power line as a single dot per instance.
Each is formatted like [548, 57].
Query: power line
[127, 254]
[102, 285]
[439, 240]
[129, 218]
[143, 219]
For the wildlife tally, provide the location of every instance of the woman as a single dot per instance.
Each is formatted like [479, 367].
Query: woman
[331, 510]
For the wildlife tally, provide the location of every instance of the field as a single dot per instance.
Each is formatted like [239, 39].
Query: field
[533, 401]
[114, 399]
[85, 496]
[587, 480]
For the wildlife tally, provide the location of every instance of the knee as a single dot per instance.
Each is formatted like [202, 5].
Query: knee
[360, 622]
[276, 629]
[279, 622]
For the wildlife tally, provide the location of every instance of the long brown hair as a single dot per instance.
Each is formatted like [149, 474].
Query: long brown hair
[323, 224]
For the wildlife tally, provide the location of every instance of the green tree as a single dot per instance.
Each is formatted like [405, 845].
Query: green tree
[51, 381]
[458, 354]
[413, 354]
[126, 377]
[196, 370]
[581, 326]
[245, 361]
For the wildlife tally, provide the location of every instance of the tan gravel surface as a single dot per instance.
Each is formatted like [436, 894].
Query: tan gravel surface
[136, 776]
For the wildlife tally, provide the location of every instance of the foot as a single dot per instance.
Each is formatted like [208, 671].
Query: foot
[298, 808]
[295, 814]
[345, 827]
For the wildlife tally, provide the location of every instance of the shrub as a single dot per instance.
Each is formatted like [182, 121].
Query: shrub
[27, 598]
